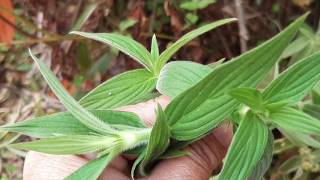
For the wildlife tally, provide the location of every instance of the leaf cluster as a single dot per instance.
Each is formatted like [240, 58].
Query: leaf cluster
[203, 96]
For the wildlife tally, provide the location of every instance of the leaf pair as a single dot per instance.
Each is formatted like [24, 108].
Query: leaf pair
[92, 134]
[158, 141]
[137, 85]
[152, 61]
[206, 104]
[290, 87]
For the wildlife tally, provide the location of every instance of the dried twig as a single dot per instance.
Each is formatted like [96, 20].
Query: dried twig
[44, 40]
[15, 27]
[243, 33]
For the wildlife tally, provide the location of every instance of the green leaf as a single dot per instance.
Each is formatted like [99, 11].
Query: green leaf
[191, 18]
[65, 124]
[246, 149]
[295, 82]
[300, 139]
[125, 44]
[166, 55]
[158, 141]
[177, 76]
[125, 24]
[124, 89]
[206, 104]
[305, 52]
[295, 47]
[92, 169]
[196, 4]
[137, 162]
[294, 120]
[315, 94]
[154, 48]
[75, 144]
[102, 63]
[313, 110]
[84, 16]
[265, 161]
[250, 97]
[83, 115]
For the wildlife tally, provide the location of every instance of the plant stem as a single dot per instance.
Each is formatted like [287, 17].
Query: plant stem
[135, 138]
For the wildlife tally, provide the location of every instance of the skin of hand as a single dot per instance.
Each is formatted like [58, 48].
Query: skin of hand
[205, 156]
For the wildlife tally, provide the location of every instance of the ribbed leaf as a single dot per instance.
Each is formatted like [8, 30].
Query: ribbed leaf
[125, 44]
[206, 104]
[265, 161]
[294, 83]
[294, 120]
[246, 149]
[127, 88]
[166, 55]
[250, 97]
[177, 76]
[313, 110]
[92, 169]
[158, 141]
[154, 48]
[65, 124]
[83, 115]
[76, 144]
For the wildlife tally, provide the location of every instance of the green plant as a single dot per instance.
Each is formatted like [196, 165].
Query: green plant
[302, 166]
[205, 97]
[191, 8]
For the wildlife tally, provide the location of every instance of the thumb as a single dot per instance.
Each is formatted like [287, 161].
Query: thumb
[146, 110]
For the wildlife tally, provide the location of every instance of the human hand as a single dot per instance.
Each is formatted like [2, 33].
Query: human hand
[205, 156]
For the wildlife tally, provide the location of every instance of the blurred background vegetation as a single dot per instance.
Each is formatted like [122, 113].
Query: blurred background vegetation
[81, 64]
